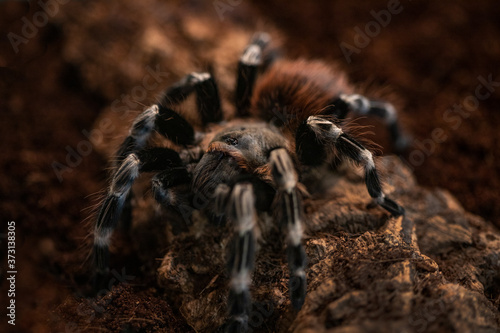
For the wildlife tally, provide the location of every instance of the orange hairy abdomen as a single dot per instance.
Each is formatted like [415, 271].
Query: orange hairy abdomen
[291, 91]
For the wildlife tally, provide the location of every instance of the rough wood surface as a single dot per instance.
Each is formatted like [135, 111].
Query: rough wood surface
[436, 269]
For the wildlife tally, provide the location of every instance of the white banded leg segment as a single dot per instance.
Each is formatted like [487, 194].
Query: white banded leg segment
[288, 196]
[248, 67]
[241, 211]
[356, 103]
[297, 259]
[111, 209]
[143, 125]
[388, 114]
[360, 105]
[349, 147]
[139, 133]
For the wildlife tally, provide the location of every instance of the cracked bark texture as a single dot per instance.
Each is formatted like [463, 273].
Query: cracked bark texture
[435, 270]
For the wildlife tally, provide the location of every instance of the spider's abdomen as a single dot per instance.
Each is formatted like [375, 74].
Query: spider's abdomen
[291, 91]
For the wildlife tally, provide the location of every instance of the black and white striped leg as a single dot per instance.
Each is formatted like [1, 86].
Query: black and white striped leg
[317, 134]
[165, 121]
[154, 159]
[289, 200]
[248, 67]
[207, 95]
[241, 211]
[360, 105]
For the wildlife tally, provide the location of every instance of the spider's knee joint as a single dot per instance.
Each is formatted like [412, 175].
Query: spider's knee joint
[324, 128]
[198, 77]
[252, 56]
[144, 124]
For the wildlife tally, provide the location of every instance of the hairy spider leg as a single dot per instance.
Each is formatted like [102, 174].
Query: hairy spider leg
[314, 140]
[165, 121]
[361, 106]
[241, 211]
[207, 95]
[240, 205]
[248, 67]
[169, 123]
[290, 205]
[147, 160]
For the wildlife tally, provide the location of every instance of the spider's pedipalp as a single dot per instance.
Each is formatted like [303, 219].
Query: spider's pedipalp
[288, 198]
[241, 210]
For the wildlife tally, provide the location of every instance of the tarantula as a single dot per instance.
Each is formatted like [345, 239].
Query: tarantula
[289, 121]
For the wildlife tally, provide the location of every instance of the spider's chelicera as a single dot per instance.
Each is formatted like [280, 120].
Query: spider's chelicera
[288, 122]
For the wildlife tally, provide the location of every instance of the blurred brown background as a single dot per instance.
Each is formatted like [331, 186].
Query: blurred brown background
[429, 56]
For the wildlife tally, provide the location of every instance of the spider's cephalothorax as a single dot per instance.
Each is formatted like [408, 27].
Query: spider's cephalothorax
[289, 116]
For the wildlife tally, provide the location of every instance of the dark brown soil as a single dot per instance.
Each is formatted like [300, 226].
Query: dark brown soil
[429, 56]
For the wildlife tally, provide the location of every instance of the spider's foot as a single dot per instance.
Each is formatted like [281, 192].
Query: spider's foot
[239, 305]
[392, 207]
[298, 286]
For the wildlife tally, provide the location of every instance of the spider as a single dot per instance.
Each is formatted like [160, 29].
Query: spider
[289, 121]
